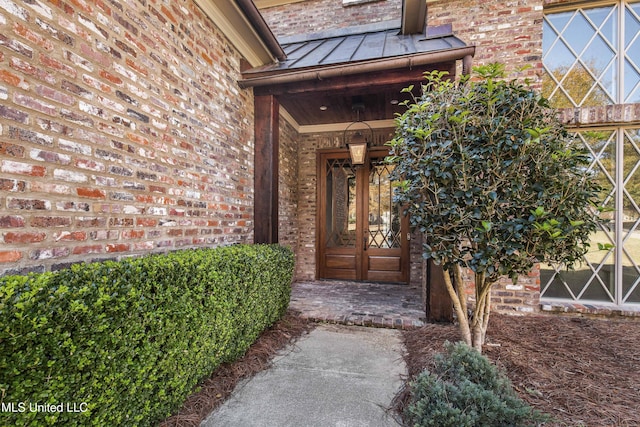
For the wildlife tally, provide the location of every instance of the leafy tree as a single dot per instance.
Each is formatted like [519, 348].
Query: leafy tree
[495, 183]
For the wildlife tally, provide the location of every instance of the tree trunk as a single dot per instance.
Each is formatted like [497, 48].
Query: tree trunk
[478, 337]
[485, 321]
[463, 320]
[479, 324]
[460, 288]
[481, 311]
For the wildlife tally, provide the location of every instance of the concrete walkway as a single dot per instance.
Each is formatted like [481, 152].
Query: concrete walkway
[336, 376]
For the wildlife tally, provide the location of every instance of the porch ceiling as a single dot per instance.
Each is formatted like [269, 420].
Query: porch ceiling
[323, 71]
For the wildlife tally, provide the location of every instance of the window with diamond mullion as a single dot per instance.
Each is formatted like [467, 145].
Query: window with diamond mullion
[610, 271]
[594, 278]
[591, 56]
[629, 267]
[631, 72]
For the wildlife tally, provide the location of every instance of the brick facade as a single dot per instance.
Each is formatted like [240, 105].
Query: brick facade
[122, 132]
[288, 187]
[506, 31]
[313, 15]
[307, 188]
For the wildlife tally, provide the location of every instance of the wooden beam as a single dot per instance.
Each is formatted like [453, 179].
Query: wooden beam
[266, 126]
[439, 305]
[355, 82]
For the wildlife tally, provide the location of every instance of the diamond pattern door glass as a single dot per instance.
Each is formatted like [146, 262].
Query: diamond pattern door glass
[384, 218]
[340, 204]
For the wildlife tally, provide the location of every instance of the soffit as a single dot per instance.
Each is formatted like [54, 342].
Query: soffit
[265, 4]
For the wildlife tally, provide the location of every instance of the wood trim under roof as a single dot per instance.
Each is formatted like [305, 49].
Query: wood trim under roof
[265, 4]
[244, 30]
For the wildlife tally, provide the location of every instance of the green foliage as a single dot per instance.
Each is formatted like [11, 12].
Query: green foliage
[131, 339]
[491, 177]
[466, 390]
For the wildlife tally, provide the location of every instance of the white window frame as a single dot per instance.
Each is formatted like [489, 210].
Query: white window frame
[618, 300]
[620, 53]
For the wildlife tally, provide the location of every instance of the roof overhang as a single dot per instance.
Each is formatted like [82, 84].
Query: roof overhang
[245, 28]
[353, 68]
[324, 71]
[355, 50]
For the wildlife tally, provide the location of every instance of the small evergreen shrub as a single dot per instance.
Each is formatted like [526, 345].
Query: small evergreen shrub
[124, 343]
[466, 390]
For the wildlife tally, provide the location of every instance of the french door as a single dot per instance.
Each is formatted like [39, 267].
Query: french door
[361, 234]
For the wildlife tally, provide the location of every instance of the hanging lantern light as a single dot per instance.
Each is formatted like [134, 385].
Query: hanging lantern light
[358, 149]
[358, 143]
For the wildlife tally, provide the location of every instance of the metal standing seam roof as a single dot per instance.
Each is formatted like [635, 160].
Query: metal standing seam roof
[358, 44]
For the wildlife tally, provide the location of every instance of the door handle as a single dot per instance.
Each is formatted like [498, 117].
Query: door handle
[365, 242]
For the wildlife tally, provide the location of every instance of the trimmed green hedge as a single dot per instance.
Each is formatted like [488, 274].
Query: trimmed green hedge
[124, 343]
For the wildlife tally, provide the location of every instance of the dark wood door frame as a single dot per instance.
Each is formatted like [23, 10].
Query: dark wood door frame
[360, 259]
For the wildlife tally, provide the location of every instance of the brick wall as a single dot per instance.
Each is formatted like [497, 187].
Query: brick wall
[315, 15]
[307, 200]
[122, 132]
[506, 31]
[288, 186]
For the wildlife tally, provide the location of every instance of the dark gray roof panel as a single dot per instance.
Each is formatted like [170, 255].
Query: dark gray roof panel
[371, 47]
[303, 50]
[320, 52]
[355, 44]
[344, 53]
[399, 45]
[290, 49]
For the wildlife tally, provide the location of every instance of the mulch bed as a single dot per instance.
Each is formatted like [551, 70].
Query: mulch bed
[216, 389]
[583, 372]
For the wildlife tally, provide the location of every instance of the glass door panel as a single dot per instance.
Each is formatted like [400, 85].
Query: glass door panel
[340, 204]
[338, 218]
[384, 218]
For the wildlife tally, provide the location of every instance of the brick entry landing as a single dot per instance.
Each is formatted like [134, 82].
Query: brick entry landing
[359, 303]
